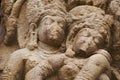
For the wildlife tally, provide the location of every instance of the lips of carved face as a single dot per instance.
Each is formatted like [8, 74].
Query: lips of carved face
[51, 30]
[87, 41]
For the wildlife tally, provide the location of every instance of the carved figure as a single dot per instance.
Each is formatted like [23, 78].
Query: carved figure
[45, 24]
[89, 30]
[43, 34]
[114, 9]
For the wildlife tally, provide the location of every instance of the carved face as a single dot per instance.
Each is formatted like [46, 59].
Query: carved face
[51, 30]
[87, 41]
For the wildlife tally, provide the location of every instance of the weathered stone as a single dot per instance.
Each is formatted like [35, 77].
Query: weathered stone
[60, 40]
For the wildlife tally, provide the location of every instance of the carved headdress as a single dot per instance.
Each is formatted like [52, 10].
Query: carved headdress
[32, 12]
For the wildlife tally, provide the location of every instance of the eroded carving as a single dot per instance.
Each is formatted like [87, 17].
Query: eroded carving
[98, 3]
[89, 30]
[58, 45]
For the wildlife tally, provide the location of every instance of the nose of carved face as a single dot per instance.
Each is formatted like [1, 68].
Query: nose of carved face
[55, 35]
[50, 32]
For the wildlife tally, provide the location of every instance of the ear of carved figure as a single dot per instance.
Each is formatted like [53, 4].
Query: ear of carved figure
[87, 41]
[33, 37]
[52, 30]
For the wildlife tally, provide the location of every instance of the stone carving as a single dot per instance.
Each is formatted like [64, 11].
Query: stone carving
[89, 29]
[11, 15]
[58, 44]
[98, 3]
[74, 68]
[79, 22]
[114, 9]
[2, 28]
[44, 32]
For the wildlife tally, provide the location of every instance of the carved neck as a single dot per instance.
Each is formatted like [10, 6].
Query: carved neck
[46, 48]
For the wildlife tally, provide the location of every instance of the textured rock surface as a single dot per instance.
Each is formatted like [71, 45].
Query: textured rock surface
[60, 40]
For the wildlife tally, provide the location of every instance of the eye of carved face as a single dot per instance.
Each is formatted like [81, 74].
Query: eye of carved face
[51, 30]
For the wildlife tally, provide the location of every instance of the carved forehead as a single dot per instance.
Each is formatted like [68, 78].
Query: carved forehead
[53, 18]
